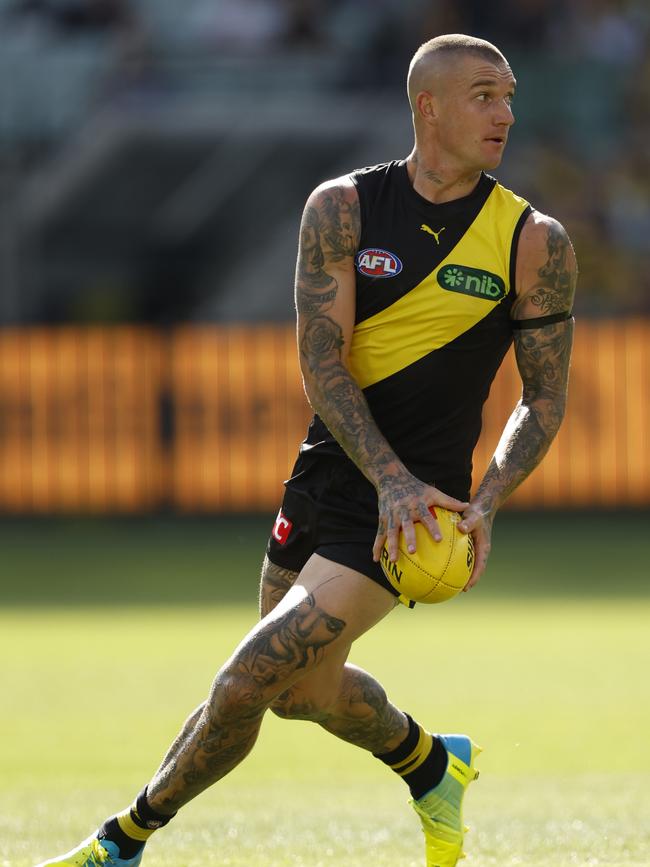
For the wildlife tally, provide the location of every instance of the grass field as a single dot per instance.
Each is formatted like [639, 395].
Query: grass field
[546, 664]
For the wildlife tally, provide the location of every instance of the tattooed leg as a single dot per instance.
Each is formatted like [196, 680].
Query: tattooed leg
[278, 651]
[178, 744]
[342, 698]
[313, 624]
[275, 583]
[359, 712]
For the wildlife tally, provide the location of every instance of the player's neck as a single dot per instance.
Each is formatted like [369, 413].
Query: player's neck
[439, 182]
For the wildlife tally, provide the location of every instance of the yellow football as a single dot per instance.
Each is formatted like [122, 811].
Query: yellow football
[437, 571]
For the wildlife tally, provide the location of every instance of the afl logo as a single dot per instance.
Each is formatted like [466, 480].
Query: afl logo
[374, 262]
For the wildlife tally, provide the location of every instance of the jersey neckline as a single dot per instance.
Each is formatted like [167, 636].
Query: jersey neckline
[482, 189]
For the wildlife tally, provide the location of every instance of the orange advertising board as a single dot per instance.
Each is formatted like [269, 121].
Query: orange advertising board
[79, 420]
[209, 418]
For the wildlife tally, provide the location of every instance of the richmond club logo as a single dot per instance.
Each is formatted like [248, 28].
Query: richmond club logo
[374, 262]
[281, 528]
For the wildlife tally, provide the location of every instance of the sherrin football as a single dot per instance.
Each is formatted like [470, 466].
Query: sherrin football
[437, 571]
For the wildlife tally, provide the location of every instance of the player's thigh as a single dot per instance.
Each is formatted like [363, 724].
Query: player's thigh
[315, 622]
[275, 582]
[336, 594]
[354, 603]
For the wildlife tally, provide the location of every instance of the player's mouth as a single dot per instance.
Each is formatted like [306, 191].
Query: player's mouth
[497, 139]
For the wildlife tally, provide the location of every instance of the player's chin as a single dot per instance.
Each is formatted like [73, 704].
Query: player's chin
[493, 154]
[492, 162]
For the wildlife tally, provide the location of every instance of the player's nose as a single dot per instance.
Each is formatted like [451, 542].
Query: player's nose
[505, 115]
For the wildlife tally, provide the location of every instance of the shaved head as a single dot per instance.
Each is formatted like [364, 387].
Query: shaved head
[435, 57]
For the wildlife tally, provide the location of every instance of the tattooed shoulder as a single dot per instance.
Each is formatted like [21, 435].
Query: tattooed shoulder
[329, 238]
[329, 234]
[546, 268]
[337, 203]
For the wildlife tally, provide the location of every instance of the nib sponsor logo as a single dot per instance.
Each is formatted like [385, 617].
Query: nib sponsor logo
[472, 281]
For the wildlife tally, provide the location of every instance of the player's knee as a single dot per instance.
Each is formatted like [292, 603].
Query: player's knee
[234, 693]
[297, 703]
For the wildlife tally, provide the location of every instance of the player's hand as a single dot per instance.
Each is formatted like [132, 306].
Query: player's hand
[479, 524]
[402, 502]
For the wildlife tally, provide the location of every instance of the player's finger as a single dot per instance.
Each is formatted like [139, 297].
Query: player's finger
[408, 529]
[482, 547]
[475, 578]
[380, 538]
[392, 536]
[468, 523]
[450, 503]
[429, 522]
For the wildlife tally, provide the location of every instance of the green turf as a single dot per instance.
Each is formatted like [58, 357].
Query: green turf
[554, 686]
[66, 562]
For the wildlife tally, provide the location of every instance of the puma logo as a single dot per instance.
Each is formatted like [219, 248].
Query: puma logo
[429, 231]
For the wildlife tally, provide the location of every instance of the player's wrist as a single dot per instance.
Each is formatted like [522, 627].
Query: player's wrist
[390, 472]
[483, 507]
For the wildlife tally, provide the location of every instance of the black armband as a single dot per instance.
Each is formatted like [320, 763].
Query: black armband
[541, 321]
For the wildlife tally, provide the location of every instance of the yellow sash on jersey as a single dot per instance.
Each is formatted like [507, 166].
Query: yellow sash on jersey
[430, 316]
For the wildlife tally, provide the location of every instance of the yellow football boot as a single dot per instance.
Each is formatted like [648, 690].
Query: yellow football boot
[441, 809]
[94, 853]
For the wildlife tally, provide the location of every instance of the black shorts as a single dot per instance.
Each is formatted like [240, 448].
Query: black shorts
[331, 513]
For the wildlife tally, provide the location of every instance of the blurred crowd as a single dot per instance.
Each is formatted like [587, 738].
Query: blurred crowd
[614, 31]
[585, 157]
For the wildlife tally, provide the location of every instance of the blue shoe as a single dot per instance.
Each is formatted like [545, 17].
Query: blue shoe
[441, 809]
[94, 853]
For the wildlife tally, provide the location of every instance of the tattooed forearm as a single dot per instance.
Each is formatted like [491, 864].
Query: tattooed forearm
[543, 359]
[341, 404]
[522, 446]
[547, 272]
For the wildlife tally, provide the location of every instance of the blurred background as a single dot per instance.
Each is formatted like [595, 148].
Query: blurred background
[154, 160]
[155, 156]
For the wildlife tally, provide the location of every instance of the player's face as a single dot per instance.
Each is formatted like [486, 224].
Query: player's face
[475, 113]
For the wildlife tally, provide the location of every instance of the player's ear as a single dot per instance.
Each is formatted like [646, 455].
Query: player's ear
[426, 106]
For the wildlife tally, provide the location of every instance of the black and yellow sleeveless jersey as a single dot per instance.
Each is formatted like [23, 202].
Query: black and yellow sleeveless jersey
[434, 291]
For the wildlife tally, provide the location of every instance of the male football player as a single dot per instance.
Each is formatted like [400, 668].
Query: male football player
[413, 279]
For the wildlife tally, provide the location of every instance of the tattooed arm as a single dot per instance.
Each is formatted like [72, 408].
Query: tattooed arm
[325, 303]
[545, 285]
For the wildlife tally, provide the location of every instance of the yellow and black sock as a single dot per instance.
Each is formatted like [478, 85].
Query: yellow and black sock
[421, 760]
[131, 829]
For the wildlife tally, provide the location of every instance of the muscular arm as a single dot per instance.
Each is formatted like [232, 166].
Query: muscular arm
[546, 279]
[325, 303]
